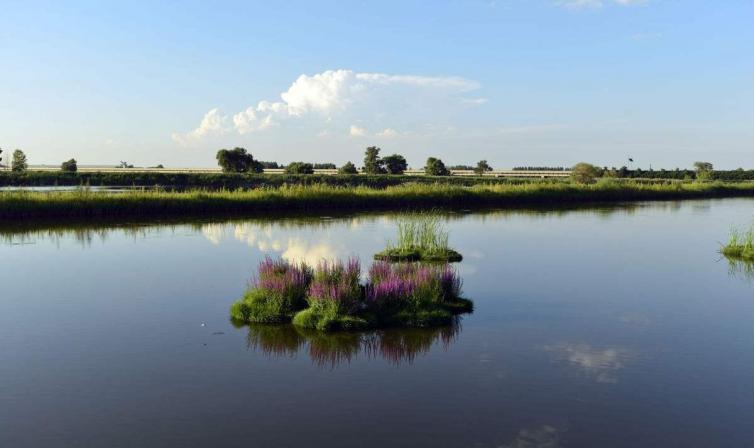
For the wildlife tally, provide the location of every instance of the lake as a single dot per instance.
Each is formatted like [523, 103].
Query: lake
[613, 326]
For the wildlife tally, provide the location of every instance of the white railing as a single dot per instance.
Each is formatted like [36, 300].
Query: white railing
[413, 172]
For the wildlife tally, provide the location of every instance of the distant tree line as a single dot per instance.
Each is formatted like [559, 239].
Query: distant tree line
[238, 160]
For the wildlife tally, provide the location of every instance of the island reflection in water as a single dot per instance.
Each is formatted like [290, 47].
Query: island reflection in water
[329, 350]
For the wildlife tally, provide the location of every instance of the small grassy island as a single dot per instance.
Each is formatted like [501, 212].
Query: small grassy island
[740, 245]
[330, 297]
[420, 238]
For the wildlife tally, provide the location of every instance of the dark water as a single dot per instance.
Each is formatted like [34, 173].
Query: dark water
[593, 328]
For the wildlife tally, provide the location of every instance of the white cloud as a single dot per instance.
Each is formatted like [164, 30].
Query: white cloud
[387, 133]
[337, 95]
[356, 131]
[212, 124]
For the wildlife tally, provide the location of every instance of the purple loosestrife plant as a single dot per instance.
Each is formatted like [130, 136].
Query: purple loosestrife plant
[336, 286]
[288, 281]
[397, 285]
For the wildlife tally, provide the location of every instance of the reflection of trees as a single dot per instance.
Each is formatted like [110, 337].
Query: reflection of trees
[395, 345]
[85, 232]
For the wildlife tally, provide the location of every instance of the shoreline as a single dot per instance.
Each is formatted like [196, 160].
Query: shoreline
[16, 206]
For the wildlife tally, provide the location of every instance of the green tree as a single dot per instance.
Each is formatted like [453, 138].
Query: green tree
[348, 168]
[372, 162]
[18, 164]
[299, 168]
[584, 173]
[435, 167]
[1, 159]
[703, 170]
[237, 160]
[482, 167]
[69, 166]
[395, 164]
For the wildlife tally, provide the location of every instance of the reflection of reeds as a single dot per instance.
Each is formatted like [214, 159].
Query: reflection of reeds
[333, 349]
[274, 340]
[399, 346]
[329, 350]
[739, 268]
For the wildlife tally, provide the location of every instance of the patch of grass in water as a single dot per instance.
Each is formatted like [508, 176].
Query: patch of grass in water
[331, 297]
[421, 237]
[277, 292]
[740, 244]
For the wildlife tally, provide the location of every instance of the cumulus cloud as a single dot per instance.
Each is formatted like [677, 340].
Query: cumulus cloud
[213, 123]
[387, 133]
[356, 131]
[339, 94]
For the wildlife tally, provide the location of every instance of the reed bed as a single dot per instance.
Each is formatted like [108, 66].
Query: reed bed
[421, 237]
[331, 297]
[17, 205]
[740, 244]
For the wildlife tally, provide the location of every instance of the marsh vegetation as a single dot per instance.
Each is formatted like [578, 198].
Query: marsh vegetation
[740, 244]
[330, 296]
[421, 237]
[317, 197]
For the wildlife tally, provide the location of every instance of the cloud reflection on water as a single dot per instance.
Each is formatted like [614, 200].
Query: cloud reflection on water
[290, 246]
[544, 436]
[601, 365]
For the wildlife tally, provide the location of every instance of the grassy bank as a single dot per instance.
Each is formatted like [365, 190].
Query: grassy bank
[318, 198]
[232, 181]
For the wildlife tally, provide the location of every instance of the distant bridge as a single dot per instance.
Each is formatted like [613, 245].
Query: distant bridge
[542, 174]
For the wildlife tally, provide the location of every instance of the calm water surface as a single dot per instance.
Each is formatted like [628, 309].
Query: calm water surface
[616, 327]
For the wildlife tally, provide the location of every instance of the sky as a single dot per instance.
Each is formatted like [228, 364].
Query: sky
[515, 82]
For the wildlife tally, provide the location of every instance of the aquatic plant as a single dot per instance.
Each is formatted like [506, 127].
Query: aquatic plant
[421, 237]
[331, 296]
[334, 297]
[740, 244]
[414, 294]
[277, 291]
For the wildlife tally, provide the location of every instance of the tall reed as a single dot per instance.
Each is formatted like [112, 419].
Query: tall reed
[740, 244]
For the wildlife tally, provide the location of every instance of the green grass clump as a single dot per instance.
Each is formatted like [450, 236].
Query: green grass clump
[275, 295]
[740, 244]
[415, 294]
[335, 298]
[421, 237]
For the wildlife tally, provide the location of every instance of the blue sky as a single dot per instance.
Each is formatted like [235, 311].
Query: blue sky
[515, 82]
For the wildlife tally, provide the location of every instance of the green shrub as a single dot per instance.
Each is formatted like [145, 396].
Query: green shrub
[299, 168]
